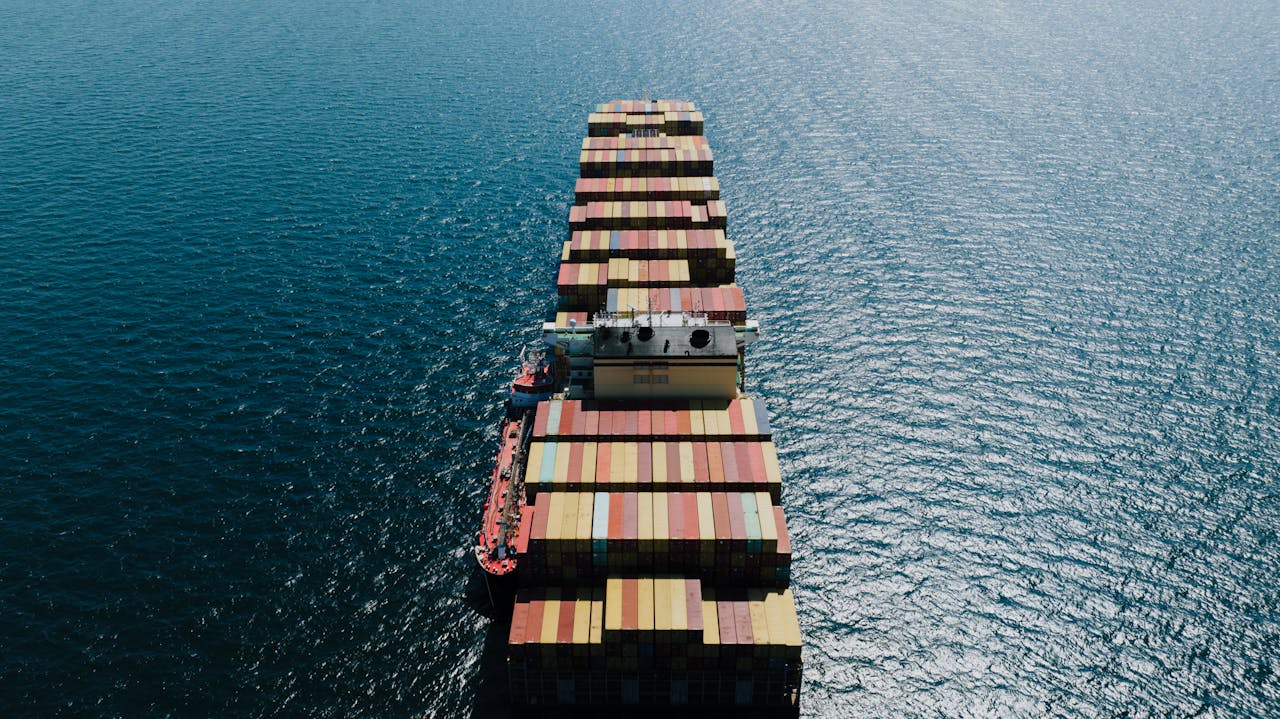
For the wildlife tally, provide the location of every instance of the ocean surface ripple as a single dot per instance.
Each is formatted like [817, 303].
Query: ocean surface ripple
[265, 267]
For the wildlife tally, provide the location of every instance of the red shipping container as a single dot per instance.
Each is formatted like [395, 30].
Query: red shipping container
[604, 421]
[564, 631]
[736, 425]
[519, 620]
[632, 423]
[673, 464]
[693, 604]
[592, 428]
[729, 462]
[737, 522]
[742, 622]
[742, 453]
[720, 513]
[642, 422]
[542, 507]
[616, 518]
[691, 533]
[784, 537]
[683, 423]
[567, 410]
[644, 460]
[728, 623]
[540, 419]
[575, 463]
[533, 625]
[630, 605]
[755, 452]
[715, 467]
[700, 464]
[603, 458]
[630, 517]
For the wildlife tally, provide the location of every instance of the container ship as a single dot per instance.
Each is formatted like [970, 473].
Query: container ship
[636, 498]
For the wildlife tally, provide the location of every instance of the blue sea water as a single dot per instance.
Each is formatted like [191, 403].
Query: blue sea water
[264, 268]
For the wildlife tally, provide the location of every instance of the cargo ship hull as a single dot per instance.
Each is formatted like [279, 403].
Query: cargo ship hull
[495, 549]
[654, 553]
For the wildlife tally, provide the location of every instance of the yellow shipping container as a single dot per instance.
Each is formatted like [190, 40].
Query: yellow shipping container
[631, 451]
[535, 463]
[679, 613]
[658, 463]
[617, 466]
[617, 270]
[613, 604]
[661, 530]
[768, 529]
[771, 470]
[597, 614]
[555, 510]
[645, 605]
[722, 420]
[775, 613]
[586, 508]
[706, 519]
[662, 604]
[759, 624]
[686, 462]
[550, 617]
[587, 476]
[749, 417]
[710, 420]
[696, 425]
[569, 521]
[710, 620]
[582, 621]
[561, 474]
[790, 622]
[645, 502]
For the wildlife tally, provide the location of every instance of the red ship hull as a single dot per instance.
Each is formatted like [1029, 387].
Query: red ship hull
[496, 542]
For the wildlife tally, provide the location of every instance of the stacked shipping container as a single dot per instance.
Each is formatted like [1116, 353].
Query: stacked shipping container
[653, 465]
[654, 553]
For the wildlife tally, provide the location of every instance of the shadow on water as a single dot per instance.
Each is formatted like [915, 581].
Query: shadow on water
[491, 697]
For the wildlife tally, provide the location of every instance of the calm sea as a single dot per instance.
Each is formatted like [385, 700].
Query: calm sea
[265, 267]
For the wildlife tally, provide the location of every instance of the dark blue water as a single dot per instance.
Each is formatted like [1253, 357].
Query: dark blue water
[264, 267]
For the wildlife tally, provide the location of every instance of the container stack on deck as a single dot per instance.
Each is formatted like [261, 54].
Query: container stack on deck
[653, 550]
